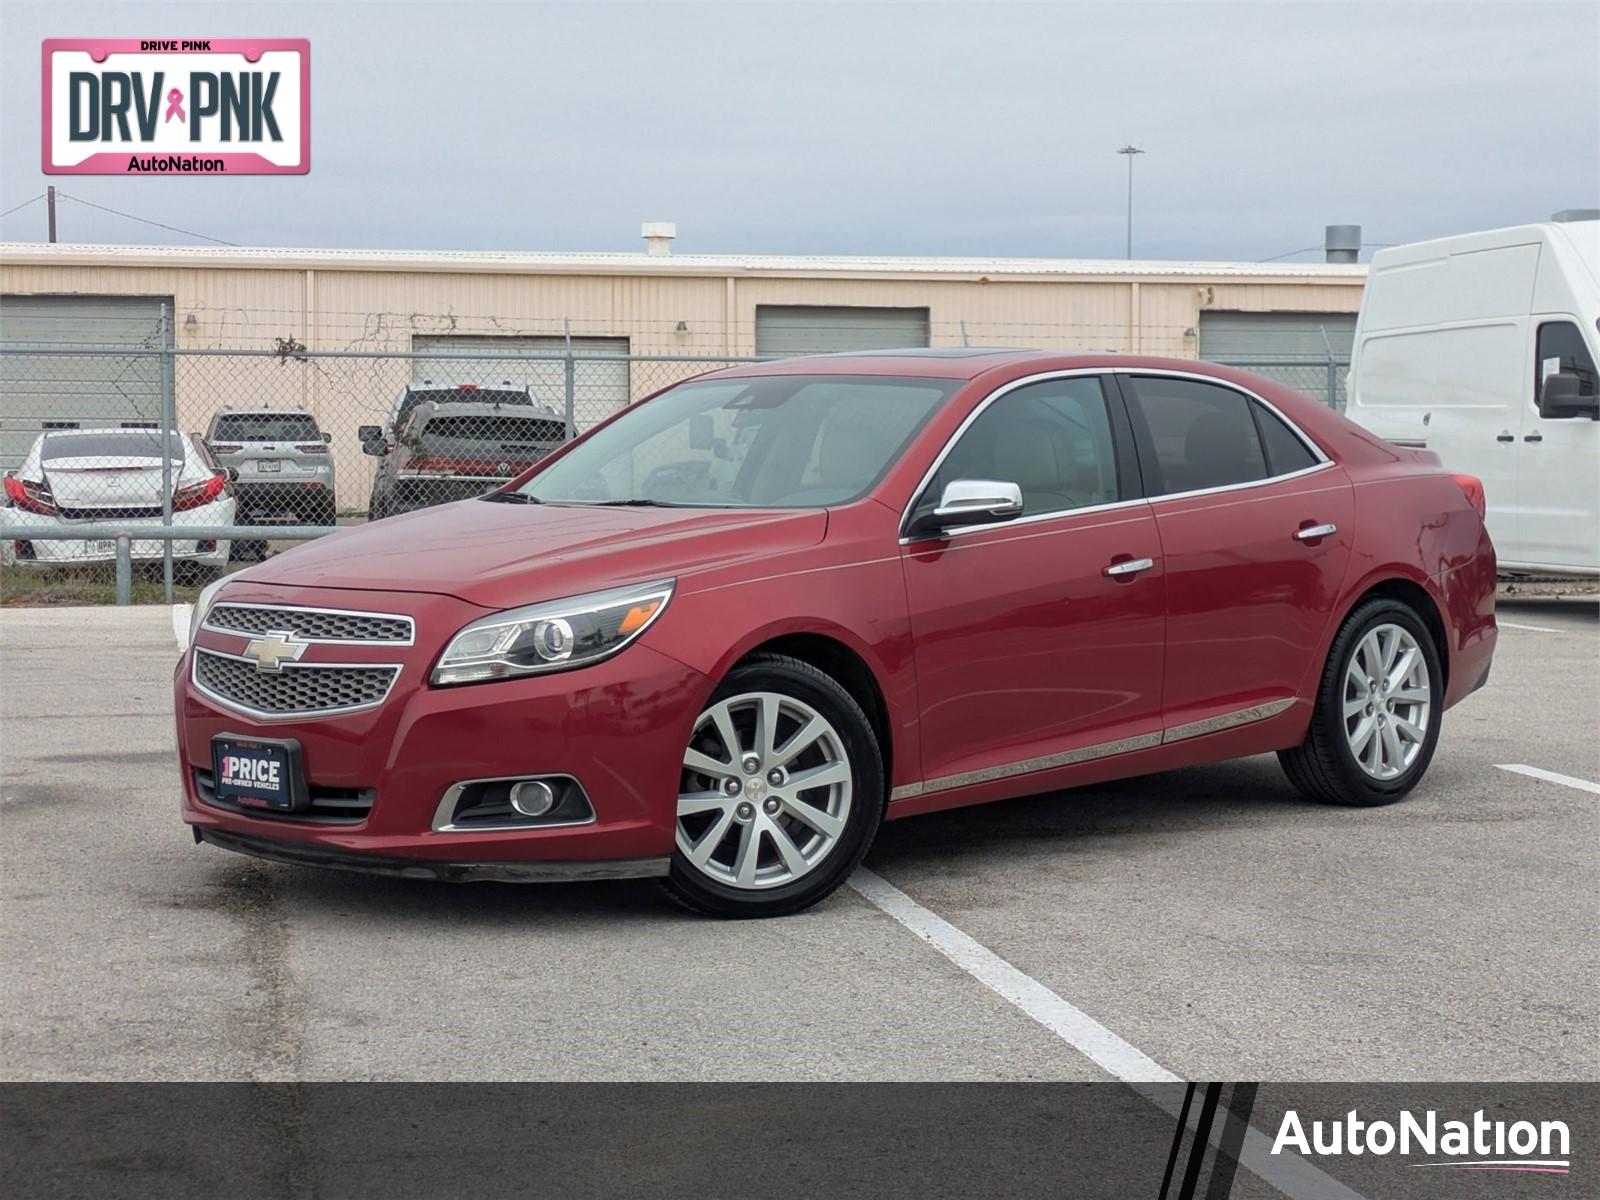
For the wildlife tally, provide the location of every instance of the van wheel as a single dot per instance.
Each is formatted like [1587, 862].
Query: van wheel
[780, 793]
[1379, 702]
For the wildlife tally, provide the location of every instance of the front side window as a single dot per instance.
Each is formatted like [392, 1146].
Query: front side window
[771, 441]
[1196, 435]
[1561, 349]
[1052, 439]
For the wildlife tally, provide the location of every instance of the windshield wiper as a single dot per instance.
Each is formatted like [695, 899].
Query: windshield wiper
[513, 498]
[636, 502]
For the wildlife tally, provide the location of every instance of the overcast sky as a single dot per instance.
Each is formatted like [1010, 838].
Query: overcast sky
[970, 129]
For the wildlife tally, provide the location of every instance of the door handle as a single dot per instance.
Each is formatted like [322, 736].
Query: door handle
[1533, 437]
[1311, 532]
[1131, 566]
[1504, 436]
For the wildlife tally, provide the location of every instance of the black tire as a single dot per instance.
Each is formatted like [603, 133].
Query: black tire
[1324, 767]
[805, 683]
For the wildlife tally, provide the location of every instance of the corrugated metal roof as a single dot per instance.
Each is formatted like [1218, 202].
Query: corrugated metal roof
[606, 263]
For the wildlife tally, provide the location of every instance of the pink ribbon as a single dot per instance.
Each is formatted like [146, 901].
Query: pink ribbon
[175, 105]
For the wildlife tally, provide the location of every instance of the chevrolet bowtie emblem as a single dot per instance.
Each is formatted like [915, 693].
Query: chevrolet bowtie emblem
[273, 648]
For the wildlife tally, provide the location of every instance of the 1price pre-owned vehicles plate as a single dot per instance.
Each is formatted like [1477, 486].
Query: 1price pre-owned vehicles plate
[721, 637]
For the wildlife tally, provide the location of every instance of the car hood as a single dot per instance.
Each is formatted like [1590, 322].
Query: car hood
[501, 555]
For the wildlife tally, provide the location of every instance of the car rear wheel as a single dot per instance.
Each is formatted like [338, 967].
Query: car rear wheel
[780, 793]
[1376, 722]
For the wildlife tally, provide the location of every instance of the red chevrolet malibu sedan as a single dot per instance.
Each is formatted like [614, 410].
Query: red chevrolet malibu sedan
[721, 637]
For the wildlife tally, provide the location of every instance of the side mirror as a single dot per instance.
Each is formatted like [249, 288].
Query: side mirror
[970, 502]
[1562, 397]
[372, 440]
[326, 438]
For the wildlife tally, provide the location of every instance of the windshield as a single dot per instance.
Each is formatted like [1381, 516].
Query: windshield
[267, 427]
[776, 441]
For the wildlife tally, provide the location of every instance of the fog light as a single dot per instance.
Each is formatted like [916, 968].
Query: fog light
[533, 797]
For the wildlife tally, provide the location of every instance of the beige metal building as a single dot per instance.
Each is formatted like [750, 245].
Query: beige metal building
[541, 305]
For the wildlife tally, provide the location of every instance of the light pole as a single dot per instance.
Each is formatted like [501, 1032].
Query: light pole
[1129, 151]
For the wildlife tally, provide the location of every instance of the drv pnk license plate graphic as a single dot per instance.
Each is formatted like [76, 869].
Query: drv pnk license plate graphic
[210, 106]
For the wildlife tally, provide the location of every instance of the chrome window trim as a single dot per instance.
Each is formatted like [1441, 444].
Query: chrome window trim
[447, 806]
[311, 714]
[1322, 463]
[222, 602]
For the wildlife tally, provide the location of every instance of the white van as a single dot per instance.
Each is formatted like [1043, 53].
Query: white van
[1482, 348]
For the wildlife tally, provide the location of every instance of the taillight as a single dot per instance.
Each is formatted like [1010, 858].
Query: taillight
[312, 448]
[1473, 487]
[33, 497]
[197, 494]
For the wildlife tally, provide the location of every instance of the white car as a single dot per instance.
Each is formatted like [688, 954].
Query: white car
[112, 477]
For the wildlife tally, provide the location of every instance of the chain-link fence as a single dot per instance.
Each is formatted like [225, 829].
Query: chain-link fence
[141, 471]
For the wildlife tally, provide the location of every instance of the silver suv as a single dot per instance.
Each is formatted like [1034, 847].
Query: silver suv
[282, 467]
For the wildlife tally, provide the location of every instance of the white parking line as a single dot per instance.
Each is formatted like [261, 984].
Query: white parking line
[1529, 628]
[180, 624]
[1072, 1025]
[1287, 1172]
[1583, 785]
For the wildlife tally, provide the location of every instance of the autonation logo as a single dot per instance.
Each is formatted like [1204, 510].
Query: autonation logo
[177, 106]
[1480, 1144]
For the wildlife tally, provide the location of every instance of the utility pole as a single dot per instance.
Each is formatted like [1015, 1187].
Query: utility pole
[1129, 151]
[50, 207]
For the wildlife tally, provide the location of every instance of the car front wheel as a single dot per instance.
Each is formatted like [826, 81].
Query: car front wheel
[780, 793]
[1376, 722]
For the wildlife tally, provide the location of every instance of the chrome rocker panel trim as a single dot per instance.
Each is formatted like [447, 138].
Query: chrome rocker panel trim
[1067, 758]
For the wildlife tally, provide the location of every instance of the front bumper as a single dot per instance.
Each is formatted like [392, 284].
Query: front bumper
[309, 855]
[618, 727]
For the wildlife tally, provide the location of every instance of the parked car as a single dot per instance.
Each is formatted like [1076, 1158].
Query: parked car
[454, 451]
[915, 581]
[1482, 348]
[113, 477]
[283, 468]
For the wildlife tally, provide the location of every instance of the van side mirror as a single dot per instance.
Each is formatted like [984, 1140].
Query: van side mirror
[1562, 398]
[372, 440]
[969, 502]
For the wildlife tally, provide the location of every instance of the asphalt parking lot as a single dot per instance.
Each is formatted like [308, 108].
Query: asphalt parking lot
[1208, 919]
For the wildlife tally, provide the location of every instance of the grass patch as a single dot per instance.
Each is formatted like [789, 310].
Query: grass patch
[31, 587]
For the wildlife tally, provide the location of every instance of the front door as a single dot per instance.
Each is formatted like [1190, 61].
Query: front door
[1256, 530]
[1558, 485]
[1026, 647]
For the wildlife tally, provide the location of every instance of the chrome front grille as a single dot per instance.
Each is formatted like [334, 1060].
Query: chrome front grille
[310, 624]
[295, 689]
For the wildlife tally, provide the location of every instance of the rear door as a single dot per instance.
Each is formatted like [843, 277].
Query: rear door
[1029, 654]
[1255, 529]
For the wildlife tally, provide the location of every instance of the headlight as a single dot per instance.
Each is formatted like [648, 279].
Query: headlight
[198, 613]
[555, 636]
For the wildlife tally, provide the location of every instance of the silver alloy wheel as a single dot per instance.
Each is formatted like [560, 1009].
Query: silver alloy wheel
[1387, 701]
[765, 791]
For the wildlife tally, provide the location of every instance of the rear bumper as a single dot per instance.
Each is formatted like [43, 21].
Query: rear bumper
[52, 552]
[302, 854]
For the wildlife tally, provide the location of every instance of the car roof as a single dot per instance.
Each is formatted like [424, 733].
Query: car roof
[261, 412]
[953, 362]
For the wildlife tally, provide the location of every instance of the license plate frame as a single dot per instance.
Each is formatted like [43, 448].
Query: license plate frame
[247, 780]
[269, 466]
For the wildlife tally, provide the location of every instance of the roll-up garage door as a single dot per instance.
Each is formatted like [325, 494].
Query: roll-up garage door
[786, 330]
[1291, 348]
[44, 390]
[600, 370]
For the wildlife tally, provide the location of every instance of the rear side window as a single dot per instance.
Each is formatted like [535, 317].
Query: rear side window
[1285, 451]
[1195, 435]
